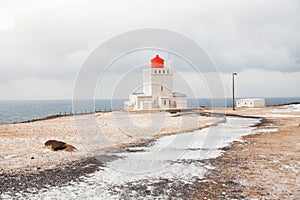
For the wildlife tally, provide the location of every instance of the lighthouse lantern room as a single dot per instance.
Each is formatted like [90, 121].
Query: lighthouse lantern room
[157, 89]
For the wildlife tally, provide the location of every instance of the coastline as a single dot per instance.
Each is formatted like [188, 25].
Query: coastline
[236, 175]
[39, 109]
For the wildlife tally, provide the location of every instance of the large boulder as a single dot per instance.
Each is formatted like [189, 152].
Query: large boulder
[59, 145]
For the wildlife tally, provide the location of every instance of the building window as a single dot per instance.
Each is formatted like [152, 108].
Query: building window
[154, 71]
[163, 71]
[161, 88]
[165, 102]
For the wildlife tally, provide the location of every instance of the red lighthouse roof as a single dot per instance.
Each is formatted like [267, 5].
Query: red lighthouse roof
[157, 62]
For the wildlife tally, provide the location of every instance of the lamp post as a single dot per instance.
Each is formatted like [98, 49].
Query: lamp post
[233, 100]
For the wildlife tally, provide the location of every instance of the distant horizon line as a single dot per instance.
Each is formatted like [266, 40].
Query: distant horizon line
[128, 98]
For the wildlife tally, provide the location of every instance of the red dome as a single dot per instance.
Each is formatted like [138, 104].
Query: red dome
[157, 62]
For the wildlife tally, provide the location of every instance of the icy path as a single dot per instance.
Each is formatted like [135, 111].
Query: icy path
[146, 170]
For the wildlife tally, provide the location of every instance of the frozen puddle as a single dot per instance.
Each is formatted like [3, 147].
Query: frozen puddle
[154, 170]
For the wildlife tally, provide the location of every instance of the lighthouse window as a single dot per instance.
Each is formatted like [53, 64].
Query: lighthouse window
[159, 71]
[154, 71]
[163, 71]
[161, 88]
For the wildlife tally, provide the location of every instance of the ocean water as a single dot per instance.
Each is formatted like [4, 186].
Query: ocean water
[19, 111]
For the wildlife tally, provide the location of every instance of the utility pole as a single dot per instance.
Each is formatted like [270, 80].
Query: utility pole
[233, 100]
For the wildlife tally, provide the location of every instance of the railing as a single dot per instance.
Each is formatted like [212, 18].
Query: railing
[69, 113]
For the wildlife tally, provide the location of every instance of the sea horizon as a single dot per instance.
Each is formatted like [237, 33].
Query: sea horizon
[15, 111]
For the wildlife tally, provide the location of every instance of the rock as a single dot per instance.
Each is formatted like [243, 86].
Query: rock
[56, 145]
[59, 145]
[70, 148]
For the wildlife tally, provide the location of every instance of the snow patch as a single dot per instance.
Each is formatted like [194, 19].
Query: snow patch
[10, 156]
[269, 130]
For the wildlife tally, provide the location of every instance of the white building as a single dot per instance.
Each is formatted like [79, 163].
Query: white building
[157, 89]
[250, 103]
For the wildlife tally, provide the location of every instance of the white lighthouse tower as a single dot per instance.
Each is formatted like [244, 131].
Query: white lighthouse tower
[157, 89]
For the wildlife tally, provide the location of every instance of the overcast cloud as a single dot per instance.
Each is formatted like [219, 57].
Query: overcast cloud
[43, 43]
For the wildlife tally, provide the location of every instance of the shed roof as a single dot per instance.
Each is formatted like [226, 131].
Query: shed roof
[251, 99]
[176, 94]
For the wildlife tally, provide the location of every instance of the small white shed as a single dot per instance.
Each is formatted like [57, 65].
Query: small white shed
[259, 102]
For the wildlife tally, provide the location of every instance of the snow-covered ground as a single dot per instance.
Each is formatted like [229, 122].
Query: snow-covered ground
[176, 157]
[89, 133]
[285, 111]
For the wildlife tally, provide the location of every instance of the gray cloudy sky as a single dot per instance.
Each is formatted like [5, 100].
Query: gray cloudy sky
[44, 43]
